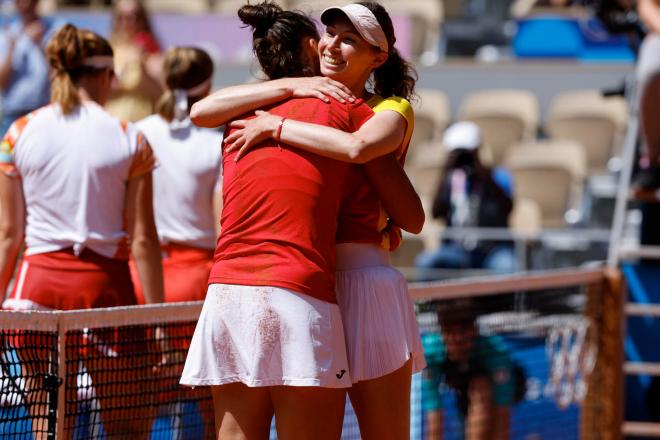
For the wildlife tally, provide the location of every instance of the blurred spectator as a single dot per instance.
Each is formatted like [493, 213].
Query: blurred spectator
[471, 195]
[648, 86]
[24, 82]
[476, 368]
[138, 62]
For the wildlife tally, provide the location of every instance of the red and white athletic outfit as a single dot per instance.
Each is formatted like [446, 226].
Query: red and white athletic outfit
[270, 315]
[379, 320]
[187, 177]
[74, 170]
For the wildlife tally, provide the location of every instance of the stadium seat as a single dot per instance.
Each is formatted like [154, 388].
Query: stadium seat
[551, 173]
[526, 217]
[424, 165]
[505, 116]
[598, 123]
[426, 155]
[426, 19]
[177, 6]
[432, 115]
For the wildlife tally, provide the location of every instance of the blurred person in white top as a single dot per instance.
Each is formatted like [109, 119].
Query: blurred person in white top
[187, 182]
[75, 183]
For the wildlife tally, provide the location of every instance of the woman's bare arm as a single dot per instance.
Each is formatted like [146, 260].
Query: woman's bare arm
[226, 104]
[380, 135]
[145, 246]
[396, 193]
[12, 227]
[373, 144]
[649, 12]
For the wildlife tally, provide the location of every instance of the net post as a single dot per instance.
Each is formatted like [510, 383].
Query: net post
[61, 372]
[602, 410]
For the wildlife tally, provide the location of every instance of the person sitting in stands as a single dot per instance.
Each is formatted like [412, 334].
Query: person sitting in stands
[470, 195]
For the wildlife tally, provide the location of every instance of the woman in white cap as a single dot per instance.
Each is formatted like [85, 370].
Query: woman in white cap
[75, 183]
[382, 337]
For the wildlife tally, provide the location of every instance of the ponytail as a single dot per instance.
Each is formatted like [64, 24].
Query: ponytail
[67, 52]
[187, 72]
[396, 77]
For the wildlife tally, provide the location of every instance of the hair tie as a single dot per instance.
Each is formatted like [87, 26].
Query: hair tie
[99, 62]
[181, 101]
[180, 104]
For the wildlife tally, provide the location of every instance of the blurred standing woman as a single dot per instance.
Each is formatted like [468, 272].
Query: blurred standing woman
[187, 180]
[138, 62]
[72, 177]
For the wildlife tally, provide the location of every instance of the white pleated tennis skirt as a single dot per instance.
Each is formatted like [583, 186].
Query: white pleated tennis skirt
[267, 336]
[379, 319]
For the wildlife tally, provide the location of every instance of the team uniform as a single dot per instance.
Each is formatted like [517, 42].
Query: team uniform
[187, 177]
[379, 320]
[488, 358]
[271, 316]
[74, 170]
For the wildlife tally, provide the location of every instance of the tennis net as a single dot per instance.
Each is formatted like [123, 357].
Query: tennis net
[534, 356]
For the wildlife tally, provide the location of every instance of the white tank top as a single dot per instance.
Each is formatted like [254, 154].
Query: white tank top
[74, 171]
[188, 174]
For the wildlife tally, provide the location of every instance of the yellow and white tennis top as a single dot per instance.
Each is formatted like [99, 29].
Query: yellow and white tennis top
[188, 174]
[74, 170]
[363, 218]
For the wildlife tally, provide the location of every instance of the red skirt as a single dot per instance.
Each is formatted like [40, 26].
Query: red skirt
[63, 281]
[185, 271]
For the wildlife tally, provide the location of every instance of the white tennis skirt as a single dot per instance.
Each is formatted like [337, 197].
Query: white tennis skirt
[379, 319]
[267, 336]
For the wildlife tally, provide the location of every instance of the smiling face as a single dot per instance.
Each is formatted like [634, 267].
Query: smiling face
[347, 57]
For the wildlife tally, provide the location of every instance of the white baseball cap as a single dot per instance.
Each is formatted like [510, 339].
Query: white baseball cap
[365, 23]
[462, 135]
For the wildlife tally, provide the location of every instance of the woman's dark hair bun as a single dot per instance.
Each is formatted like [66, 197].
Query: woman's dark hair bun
[260, 17]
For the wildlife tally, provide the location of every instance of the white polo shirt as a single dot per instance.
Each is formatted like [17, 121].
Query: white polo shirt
[74, 171]
[188, 174]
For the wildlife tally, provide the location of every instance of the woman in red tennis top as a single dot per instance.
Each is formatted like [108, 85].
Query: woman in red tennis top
[73, 177]
[270, 338]
[382, 336]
